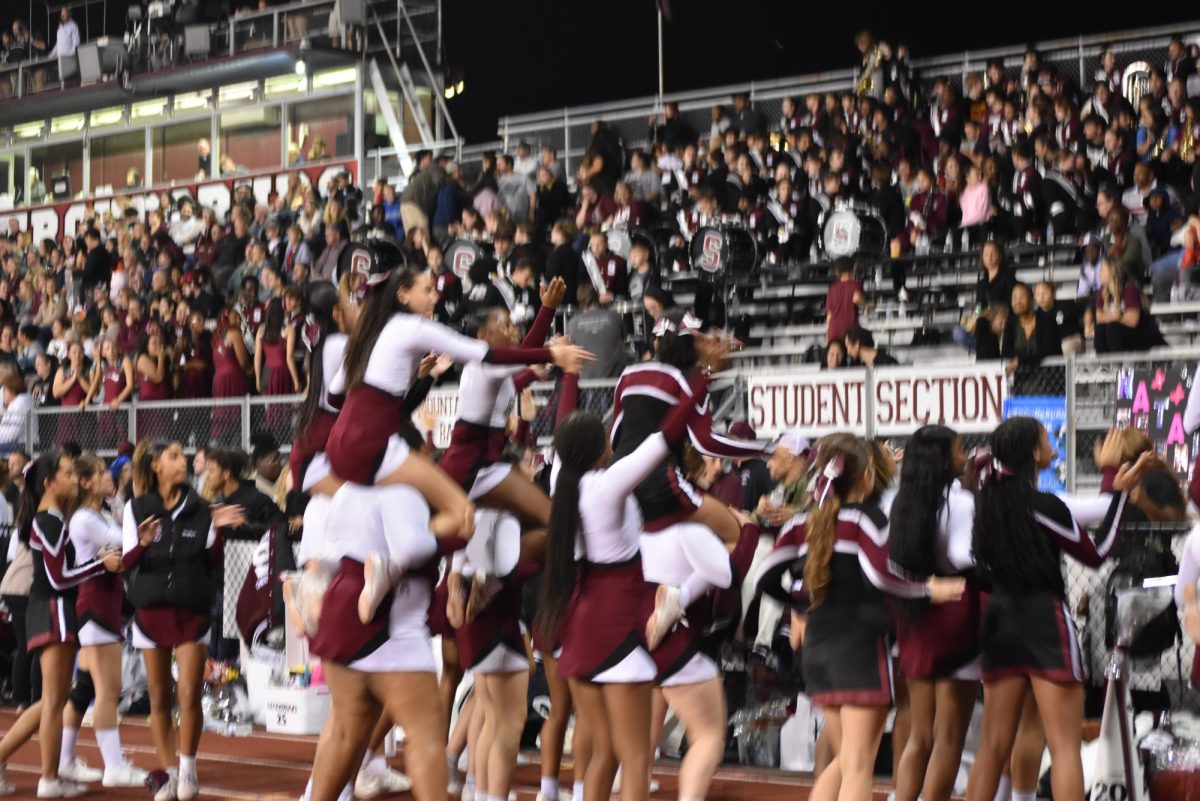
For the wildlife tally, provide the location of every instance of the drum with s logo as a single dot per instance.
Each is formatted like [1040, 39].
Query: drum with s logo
[851, 228]
[462, 253]
[723, 251]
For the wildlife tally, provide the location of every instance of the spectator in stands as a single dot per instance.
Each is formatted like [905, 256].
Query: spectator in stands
[788, 469]
[419, 198]
[66, 40]
[551, 202]
[645, 183]
[842, 300]
[1130, 252]
[516, 191]
[1029, 334]
[268, 464]
[861, 348]
[17, 405]
[337, 236]
[996, 278]
[642, 274]
[550, 162]
[563, 262]
[451, 200]
[601, 165]
[605, 268]
[835, 355]
[1064, 315]
[601, 332]
[1122, 324]
[97, 269]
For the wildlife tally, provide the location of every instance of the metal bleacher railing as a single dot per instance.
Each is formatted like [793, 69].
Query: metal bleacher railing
[569, 129]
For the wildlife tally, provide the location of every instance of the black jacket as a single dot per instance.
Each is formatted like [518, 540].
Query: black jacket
[175, 570]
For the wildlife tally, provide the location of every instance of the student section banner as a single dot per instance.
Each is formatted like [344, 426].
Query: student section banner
[1153, 400]
[437, 415]
[1051, 410]
[968, 398]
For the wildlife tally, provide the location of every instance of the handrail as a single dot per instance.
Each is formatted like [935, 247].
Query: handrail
[1048, 49]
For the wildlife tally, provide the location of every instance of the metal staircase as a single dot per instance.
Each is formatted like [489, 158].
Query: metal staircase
[403, 50]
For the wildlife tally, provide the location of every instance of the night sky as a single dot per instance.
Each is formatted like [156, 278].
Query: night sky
[518, 56]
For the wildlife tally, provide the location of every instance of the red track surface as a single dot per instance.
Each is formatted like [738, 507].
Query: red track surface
[276, 766]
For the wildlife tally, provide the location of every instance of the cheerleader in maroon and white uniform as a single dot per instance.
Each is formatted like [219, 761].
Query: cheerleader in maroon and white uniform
[384, 665]
[474, 458]
[93, 533]
[840, 546]
[598, 606]
[930, 534]
[51, 485]
[395, 332]
[1028, 641]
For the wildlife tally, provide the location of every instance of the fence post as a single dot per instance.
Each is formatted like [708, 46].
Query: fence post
[132, 411]
[1071, 428]
[246, 423]
[869, 401]
[566, 144]
[30, 429]
[1082, 77]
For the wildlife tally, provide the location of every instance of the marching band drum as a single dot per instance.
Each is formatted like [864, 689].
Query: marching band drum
[723, 251]
[850, 228]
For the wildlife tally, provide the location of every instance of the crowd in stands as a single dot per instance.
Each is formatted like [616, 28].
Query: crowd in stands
[183, 303]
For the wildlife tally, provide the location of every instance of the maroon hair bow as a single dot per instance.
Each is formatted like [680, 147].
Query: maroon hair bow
[824, 480]
[990, 468]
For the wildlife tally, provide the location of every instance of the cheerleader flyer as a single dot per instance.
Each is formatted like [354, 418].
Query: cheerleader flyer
[1051, 412]
[1153, 400]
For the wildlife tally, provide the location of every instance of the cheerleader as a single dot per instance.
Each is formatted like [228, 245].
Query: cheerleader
[929, 534]
[171, 549]
[93, 532]
[387, 664]
[394, 333]
[1028, 640]
[50, 486]
[1186, 595]
[601, 603]
[474, 458]
[365, 446]
[644, 394]
[840, 548]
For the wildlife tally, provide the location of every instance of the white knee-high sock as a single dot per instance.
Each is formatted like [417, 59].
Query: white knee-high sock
[67, 753]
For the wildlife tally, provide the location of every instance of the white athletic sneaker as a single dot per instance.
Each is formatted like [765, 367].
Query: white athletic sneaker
[6, 787]
[59, 788]
[79, 772]
[666, 614]
[188, 786]
[370, 784]
[124, 775]
[377, 583]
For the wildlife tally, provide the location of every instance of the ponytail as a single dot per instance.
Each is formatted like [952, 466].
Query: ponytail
[37, 474]
[842, 459]
[820, 535]
[579, 441]
[322, 300]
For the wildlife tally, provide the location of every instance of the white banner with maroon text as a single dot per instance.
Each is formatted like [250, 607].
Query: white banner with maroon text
[968, 398]
[437, 415]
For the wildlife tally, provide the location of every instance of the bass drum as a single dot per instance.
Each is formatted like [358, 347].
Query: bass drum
[724, 251]
[850, 229]
[462, 253]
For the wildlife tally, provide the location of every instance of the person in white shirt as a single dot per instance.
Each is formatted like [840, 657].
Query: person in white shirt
[186, 229]
[66, 42]
[17, 404]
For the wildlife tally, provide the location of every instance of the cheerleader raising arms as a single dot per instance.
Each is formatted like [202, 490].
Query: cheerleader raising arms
[597, 606]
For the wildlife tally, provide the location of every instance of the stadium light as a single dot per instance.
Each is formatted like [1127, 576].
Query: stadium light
[449, 93]
[301, 67]
[460, 87]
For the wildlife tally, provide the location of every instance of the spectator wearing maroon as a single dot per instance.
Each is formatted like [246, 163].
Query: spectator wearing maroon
[928, 212]
[612, 270]
[250, 309]
[594, 207]
[231, 364]
[194, 358]
[842, 300]
[133, 327]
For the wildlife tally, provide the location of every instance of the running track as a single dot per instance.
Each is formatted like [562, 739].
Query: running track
[276, 766]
